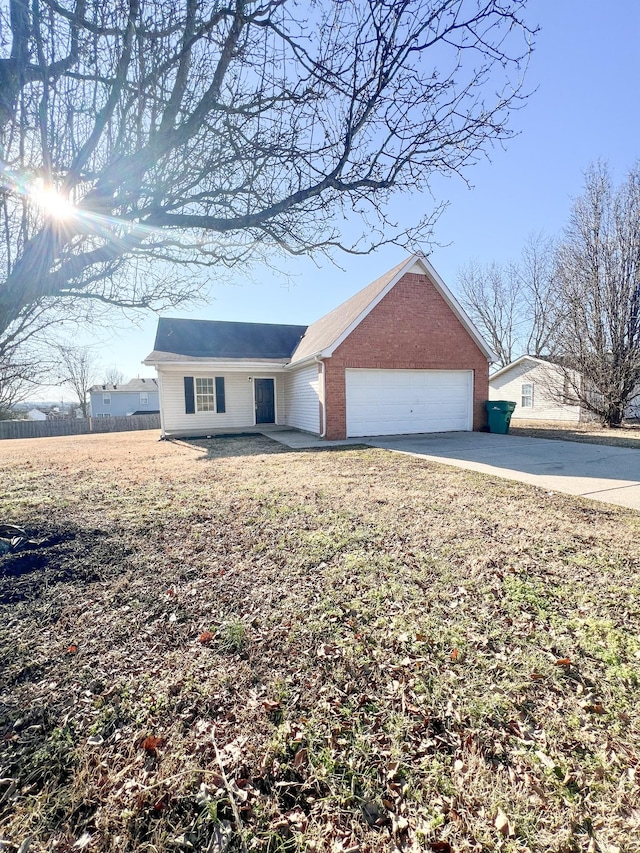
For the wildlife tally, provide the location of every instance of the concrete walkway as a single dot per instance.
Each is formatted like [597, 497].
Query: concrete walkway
[597, 471]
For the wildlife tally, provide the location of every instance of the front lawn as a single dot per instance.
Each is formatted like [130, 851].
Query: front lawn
[627, 435]
[225, 645]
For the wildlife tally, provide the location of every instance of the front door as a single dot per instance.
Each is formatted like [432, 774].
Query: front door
[265, 401]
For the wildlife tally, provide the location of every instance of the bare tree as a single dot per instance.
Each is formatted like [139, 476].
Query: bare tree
[77, 370]
[515, 305]
[598, 267]
[492, 297]
[14, 387]
[113, 376]
[540, 313]
[199, 133]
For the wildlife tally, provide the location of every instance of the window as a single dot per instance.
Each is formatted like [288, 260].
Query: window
[106, 399]
[205, 394]
[527, 395]
[144, 398]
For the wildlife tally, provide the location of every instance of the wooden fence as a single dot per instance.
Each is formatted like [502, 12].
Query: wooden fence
[77, 426]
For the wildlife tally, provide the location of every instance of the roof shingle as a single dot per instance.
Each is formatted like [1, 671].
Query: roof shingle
[221, 339]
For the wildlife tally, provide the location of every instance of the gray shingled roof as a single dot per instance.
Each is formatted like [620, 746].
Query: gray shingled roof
[149, 383]
[212, 339]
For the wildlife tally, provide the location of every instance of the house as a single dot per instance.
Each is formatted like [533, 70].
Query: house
[400, 356]
[136, 397]
[539, 388]
[60, 413]
[36, 415]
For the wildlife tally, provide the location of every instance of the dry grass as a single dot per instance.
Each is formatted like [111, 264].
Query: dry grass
[628, 435]
[223, 645]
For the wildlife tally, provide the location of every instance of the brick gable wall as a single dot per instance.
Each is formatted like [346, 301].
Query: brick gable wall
[412, 327]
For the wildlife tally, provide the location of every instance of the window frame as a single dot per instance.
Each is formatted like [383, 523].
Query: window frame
[199, 395]
[144, 398]
[106, 398]
[526, 396]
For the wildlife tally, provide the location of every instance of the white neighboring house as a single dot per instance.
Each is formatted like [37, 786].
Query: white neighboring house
[36, 415]
[136, 397]
[633, 407]
[536, 387]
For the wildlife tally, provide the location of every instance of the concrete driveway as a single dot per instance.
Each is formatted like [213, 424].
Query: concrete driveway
[609, 474]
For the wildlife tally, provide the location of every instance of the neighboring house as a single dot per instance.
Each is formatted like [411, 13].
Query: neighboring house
[537, 387]
[136, 397]
[401, 356]
[36, 415]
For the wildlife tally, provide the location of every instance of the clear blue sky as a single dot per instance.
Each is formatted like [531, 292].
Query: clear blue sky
[585, 70]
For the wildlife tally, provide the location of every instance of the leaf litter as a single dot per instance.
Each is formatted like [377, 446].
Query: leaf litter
[220, 645]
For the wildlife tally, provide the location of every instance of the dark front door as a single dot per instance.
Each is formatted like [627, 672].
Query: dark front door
[265, 401]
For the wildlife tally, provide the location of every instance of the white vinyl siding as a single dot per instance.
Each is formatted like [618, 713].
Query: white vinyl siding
[302, 395]
[546, 383]
[390, 402]
[239, 402]
[633, 407]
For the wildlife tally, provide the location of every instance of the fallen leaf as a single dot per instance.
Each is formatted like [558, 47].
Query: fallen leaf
[151, 743]
[206, 637]
[327, 650]
[441, 847]
[296, 817]
[598, 708]
[301, 758]
[72, 650]
[536, 676]
[271, 705]
[161, 804]
[563, 662]
[503, 824]
[454, 654]
[545, 759]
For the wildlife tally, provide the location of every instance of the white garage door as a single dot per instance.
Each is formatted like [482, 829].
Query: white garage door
[389, 402]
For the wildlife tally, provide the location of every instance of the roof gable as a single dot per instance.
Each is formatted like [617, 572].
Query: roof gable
[523, 358]
[327, 333]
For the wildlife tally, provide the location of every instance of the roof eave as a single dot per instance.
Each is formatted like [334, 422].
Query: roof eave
[230, 364]
[517, 361]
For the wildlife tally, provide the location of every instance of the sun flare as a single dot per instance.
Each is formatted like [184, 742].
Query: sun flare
[53, 203]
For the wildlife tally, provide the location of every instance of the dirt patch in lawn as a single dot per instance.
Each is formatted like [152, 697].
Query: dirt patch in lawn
[628, 435]
[224, 645]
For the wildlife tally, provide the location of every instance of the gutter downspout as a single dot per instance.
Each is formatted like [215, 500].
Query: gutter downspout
[323, 434]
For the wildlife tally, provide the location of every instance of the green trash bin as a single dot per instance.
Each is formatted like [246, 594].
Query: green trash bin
[499, 412]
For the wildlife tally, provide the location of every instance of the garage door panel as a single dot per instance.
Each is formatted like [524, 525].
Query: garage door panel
[386, 402]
